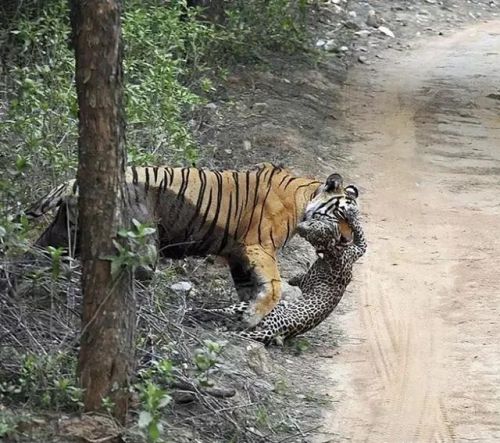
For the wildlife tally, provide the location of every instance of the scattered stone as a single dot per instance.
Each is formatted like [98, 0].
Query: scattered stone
[350, 24]
[374, 20]
[258, 359]
[330, 46]
[261, 106]
[386, 31]
[362, 59]
[320, 43]
[211, 106]
[182, 286]
[343, 49]
[352, 14]
[494, 96]
[363, 33]
[247, 145]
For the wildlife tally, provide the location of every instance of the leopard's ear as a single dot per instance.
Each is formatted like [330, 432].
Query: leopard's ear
[352, 191]
[334, 183]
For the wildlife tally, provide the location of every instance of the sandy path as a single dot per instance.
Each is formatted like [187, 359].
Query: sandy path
[421, 358]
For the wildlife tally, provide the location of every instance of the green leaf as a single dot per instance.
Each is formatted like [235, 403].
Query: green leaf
[145, 418]
[165, 400]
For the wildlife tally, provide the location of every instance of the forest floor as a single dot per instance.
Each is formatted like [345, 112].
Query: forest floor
[412, 120]
[410, 354]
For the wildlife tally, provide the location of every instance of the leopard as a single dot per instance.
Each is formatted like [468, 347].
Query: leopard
[322, 286]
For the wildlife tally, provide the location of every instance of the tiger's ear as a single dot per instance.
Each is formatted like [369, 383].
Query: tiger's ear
[352, 191]
[334, 183]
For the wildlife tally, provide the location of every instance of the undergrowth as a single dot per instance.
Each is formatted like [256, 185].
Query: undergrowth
[174, 62]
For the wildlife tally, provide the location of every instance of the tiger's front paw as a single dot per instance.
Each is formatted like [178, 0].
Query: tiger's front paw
[251, 317]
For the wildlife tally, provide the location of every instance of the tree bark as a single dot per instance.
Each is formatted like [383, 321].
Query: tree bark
[107, 343]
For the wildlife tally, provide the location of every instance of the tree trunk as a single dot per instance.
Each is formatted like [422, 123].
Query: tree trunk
[106, 351]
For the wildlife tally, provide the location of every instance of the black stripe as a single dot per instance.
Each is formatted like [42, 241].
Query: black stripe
[213, 224]
[247, 187]
[255, 200]
[199, 203]
[272, 238]
[228, 221]
[164, 180]
[184, 185]
[158, 193]
[155, 172]
[290, 180]
[135, 178]
[146, 183]
[282, 180]
[263, 205]
[171, 173]
[207, 209]
[287, 231]
[135, 181]
[236, 192]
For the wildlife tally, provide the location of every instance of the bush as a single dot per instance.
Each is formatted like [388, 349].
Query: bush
[173, 62]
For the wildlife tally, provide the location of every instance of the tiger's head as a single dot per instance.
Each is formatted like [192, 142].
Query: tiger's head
[330, 203]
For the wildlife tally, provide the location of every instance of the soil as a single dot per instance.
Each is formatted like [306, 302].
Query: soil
[412, 350]
[421, 360]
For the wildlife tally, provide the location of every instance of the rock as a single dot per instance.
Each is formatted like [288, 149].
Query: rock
[182, 286]
[386, 31]
[373, 19]
[330, 46]
[350, 24]
[258, 359]
[211, 106]
[320, 43]
[362, 59]
[290, 293]
[343, 49]
[260, 107]
[247, 145]
[362, 33]
[352, 14]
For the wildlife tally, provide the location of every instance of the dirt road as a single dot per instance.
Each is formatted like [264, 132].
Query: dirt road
[421, 357]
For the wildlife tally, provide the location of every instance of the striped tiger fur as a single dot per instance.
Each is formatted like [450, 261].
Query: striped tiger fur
[243, 216]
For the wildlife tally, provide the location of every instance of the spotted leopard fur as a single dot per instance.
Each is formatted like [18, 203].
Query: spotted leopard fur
[322, 286]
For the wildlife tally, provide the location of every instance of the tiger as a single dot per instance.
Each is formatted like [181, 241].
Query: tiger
[243, 216]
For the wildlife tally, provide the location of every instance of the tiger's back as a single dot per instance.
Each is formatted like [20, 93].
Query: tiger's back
[202, 212]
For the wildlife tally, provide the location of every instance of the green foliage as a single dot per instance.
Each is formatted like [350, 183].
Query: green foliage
[135, 250]
[45, 380]
[205, 359]
[173, 61]
[154, 398]
[13, 235]
[277, 25]
[8, 424]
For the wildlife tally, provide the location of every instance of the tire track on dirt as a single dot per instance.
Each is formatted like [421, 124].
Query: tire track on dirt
[428, 315]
